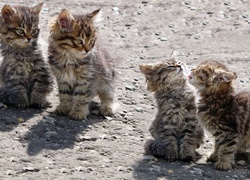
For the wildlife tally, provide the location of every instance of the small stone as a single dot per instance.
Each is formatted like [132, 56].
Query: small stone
[30, 169]
[157, 33]
[170, 171]
[13, 159]
[79, 169]
[148, 157]
[1, 105]
[144, 2]
[95, 112]
[210, 12]
[163, 39]
[138, 109]
[120, 168]
[9, 172]
[130, 88]
[193, 8]
[50, 135]
[241, 162]
[20, 120]
[116, 9]
[123, 36]
[64, 170]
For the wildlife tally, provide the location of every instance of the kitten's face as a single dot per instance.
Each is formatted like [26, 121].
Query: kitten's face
[19, 25]
[74, 34]
[163, 73]
[211, 76]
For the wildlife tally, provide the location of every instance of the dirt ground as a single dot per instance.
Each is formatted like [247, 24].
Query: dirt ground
[41, 145]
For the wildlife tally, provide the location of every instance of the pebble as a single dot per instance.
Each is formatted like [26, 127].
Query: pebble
[138, 109]
[95, 112]
[144, 2]
[20, 120]
[130, 88]
[30, 169]
[148, 157]
[79, 169]
[1, 105]
[163, 39]
[85, 138]
[241, 162]
[9, 172]
[64, 170]
[50, 135]
[196, 171]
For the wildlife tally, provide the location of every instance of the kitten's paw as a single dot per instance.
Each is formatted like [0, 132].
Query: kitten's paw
[212, 158]
[38, 100]
[22, 103]
[77, 116]
[62, 110]
[223, 166]
[107, 110]
[171, 154]
[187, 154]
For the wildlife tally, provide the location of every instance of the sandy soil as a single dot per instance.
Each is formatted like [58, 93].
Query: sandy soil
[41, 145]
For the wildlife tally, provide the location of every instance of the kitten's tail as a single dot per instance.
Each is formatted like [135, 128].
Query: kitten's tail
[155, 148]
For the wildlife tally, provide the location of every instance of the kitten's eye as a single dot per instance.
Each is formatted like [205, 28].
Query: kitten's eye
[20, 31]
[34, 31]
[170, 67]
[91, 42]
[78, 41]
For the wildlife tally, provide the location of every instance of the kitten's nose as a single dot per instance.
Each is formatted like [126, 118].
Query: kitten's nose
[29, 39]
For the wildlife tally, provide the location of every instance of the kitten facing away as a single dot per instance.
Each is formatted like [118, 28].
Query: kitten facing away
[83, 69]
[175, 128]
[225, 114]
[25, 77]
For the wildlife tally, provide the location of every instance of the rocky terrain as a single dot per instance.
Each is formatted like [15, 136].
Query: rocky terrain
[41, 145]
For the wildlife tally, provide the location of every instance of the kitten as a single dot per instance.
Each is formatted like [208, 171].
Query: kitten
[225, 114]
[82, 68]
[25, 77]
[175, 128]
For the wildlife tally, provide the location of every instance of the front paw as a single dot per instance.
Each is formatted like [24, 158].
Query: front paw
[223, 166]
[77, 116]
[38, 100]
[22, 102]
[186, 154]
[212, 158]
[62, 110]
[107, 110]
[171, 154]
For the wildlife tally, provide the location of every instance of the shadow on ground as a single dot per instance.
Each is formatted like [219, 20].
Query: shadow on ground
[155, 169]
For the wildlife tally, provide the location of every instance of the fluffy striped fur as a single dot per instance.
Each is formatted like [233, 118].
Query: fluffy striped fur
[225, 114]
[82, 68]
[175, 128]
[25, 77]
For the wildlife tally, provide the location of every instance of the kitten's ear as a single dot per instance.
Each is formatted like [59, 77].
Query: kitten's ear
[8, 13]
[146, 69]
[95, 16]
[65, 20]
[228, 77]
[37, 8]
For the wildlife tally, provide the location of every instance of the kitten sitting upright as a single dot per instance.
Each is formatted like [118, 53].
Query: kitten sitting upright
[82, 68]
[175, 128]
[25, 78]
[225, 114]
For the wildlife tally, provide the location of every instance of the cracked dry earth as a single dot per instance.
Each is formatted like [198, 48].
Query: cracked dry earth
[41, 145]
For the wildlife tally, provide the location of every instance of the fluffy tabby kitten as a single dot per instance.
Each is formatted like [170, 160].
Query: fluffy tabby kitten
[225, 114]
[25, 77]
[82, 69]
[175, 129]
